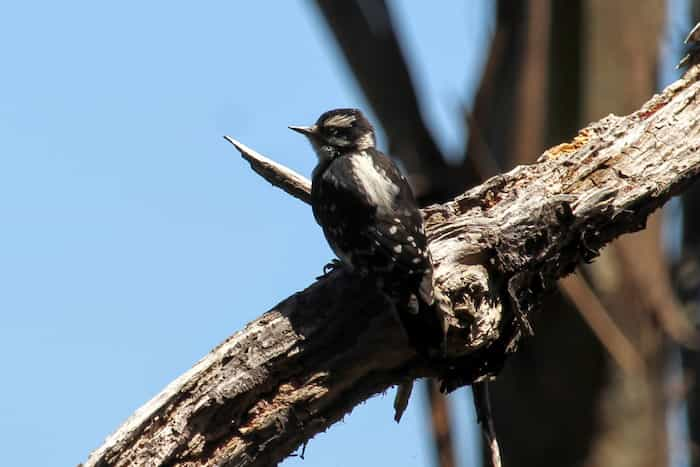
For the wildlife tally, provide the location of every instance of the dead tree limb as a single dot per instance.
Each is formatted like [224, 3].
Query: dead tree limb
[497, 249]
[277, 174]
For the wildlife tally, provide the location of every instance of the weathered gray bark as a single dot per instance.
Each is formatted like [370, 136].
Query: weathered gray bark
[497, 248]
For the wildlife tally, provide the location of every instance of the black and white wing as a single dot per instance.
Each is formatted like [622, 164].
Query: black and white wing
[371, 219]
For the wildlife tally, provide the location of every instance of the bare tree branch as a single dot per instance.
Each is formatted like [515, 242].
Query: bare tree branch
[482, 404]
[277, 174]
[497, 249]
[440, 421]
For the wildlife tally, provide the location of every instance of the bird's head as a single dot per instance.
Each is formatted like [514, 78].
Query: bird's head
[339, 131]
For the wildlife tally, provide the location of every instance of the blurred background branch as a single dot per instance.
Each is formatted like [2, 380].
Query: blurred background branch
[552, 67]
[366, 35]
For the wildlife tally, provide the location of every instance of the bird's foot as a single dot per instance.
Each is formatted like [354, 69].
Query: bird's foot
[330, 267]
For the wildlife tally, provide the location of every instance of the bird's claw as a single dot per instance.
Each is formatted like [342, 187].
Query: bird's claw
[692, 42]
[330, 267]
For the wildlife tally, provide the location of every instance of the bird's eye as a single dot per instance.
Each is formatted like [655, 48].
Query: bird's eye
[333, 131]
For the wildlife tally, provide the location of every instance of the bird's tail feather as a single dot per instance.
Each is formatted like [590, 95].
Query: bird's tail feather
[423, 324]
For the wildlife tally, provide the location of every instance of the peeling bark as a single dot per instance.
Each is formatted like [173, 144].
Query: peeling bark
[497, 249]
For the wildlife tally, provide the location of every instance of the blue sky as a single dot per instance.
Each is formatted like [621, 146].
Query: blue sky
[133, 239]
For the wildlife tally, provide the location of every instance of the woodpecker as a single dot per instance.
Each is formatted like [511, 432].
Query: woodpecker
[371, 220]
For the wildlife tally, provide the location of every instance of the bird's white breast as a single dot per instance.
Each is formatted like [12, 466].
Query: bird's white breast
[380, 190]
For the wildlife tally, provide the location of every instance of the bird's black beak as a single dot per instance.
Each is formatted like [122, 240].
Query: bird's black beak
[304, 130]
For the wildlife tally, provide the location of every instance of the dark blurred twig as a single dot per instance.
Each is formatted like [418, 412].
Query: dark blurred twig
[491, 120]
[482, 405]
[688, 285]
[367, 37]
[597, 317]
[442, 432]
[687, 280]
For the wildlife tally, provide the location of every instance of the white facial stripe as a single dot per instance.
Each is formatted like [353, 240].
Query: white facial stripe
[366, 141]
[380, 190]
[340, 121]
